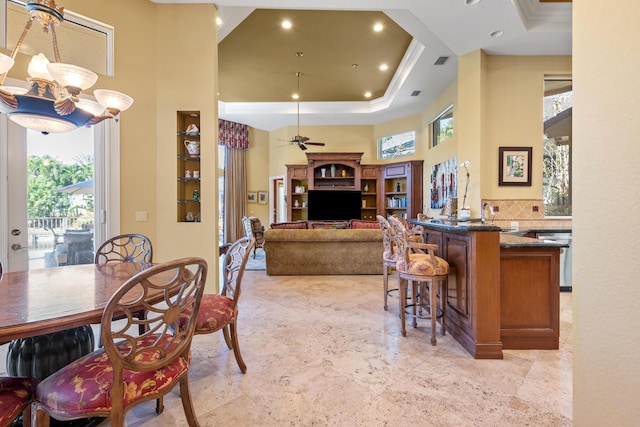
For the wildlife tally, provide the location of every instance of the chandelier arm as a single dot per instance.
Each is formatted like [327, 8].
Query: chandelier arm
[26, 29]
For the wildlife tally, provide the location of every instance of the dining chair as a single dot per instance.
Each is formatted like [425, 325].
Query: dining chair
[15, 399]
[132, 368]
[125, 248]
[420, 269]
[254, 228]
[220, 311]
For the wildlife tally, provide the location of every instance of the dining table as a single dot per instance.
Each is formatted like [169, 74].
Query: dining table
[46, 314]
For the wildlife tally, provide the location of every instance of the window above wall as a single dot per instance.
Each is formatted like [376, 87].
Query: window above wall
[402, 144]
[442, 127]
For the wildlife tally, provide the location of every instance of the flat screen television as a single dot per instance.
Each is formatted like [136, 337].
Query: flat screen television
[334, 205]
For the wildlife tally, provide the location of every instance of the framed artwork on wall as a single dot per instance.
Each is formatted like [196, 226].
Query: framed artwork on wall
[514, 166]
[444, 182]
[262, 197]
[252, 196]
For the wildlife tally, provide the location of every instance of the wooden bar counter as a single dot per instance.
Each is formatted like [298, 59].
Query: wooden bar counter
[503, 291]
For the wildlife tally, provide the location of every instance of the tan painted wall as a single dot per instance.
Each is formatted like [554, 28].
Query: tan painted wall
[606, 375]
[186, 85]
[513, 116]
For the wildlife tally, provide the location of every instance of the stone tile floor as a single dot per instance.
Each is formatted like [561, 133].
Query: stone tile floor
[320, 350]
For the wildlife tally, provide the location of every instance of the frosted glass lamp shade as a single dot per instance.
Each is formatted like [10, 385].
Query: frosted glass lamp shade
[5, 63]
[112, 100]
[91, 106]
[69, 75]
[38, 68]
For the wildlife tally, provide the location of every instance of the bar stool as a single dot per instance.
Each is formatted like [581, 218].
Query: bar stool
[418, 265]
[389, 255]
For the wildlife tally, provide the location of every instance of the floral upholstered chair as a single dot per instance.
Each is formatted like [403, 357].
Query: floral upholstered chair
[133, 368]
[15, 399]
[220, 311]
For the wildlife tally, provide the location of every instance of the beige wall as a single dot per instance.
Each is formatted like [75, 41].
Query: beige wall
[606, 344]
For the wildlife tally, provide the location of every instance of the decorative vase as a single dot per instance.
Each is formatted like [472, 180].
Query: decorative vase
[323, 171]
[344, 173]
[366, 187]
[464, 214]
[333, 171]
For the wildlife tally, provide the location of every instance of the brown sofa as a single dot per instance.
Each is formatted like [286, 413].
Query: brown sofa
[323, 251]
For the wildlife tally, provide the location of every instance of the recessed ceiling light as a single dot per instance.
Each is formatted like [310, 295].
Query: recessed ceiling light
[354, 65]
[497, 33]
[471, 2]
[383, 67]
[218, 21]
[295, 96]
[286, 24]
[378, 27]
[367, 94]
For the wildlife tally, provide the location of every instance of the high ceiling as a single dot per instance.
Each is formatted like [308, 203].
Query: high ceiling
[258, 62]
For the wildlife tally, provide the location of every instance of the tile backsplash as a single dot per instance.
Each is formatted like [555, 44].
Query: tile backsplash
[529, 213]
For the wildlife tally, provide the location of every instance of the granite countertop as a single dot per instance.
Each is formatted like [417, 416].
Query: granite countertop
[472, 225]
[509, 240]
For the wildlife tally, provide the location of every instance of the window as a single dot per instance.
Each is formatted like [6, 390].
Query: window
[403, 144]
[442, 127]
[556, 173]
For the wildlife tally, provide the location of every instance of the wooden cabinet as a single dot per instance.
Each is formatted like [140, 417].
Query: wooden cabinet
[369, 181]
[343, 171]
[334, 171]
[298, 185]
[403, 189]
[188, 166]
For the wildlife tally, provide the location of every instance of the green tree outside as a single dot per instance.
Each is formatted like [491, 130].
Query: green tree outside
[45, 175]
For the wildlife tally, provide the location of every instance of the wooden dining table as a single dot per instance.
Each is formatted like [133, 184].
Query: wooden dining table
[42, 301]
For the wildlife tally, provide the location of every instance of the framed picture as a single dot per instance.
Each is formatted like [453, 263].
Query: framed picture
[262, 197]
[515, 166]
[252, 197]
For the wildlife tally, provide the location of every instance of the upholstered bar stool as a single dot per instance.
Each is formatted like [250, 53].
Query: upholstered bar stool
[389, 255]
[420, 270]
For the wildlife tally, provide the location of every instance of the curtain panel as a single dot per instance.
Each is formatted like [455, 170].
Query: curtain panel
[233, 135]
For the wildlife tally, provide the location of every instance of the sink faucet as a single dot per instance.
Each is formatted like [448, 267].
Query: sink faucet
[493, 215]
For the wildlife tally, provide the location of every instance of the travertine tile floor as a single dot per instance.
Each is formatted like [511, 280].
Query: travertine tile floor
[320, 350]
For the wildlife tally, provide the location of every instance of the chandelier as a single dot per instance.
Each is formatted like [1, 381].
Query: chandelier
[51, 103]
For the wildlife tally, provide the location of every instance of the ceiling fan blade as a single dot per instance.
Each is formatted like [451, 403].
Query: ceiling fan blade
[321, 144]
[302, 146]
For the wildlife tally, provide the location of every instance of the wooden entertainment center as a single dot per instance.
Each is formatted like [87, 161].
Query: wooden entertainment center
[386, 189]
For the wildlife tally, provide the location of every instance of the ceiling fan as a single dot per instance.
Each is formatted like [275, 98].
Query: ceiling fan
[299, 140]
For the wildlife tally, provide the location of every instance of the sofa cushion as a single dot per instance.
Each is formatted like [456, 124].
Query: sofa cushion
[361, 223]
[340, 225]
[290, 225]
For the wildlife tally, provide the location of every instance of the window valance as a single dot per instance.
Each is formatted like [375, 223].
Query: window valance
[233, 135]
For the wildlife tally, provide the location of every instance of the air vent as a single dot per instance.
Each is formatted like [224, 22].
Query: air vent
[415, 92]
[441, 60]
